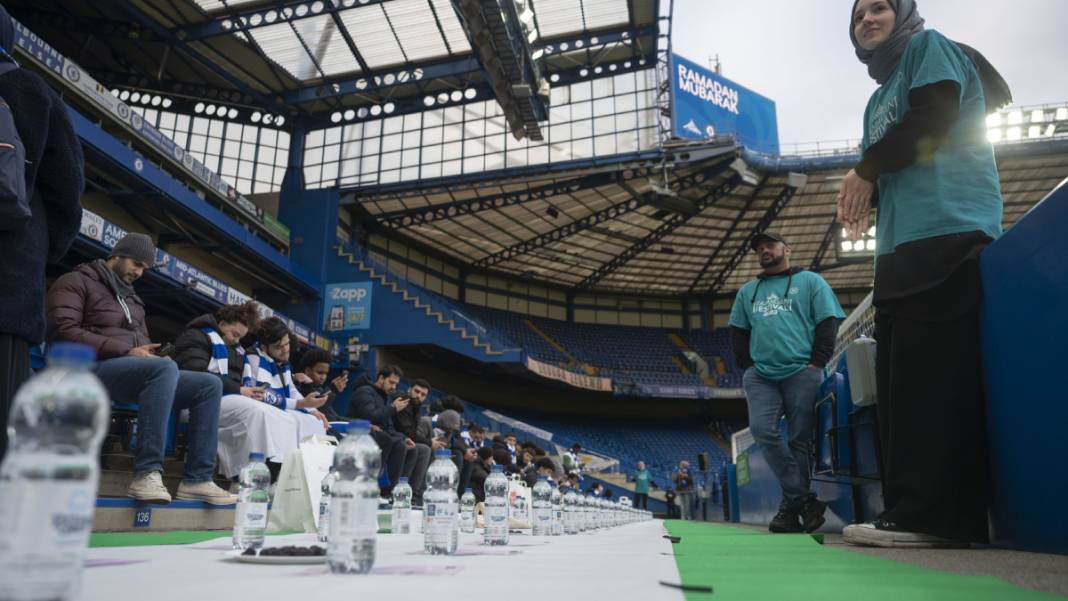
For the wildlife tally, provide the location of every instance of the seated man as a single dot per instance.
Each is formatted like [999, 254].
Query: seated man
[480, 469]
[462, 456]
[96, 305]
[572, 462]
[407, 423]
[477, 436]
[212, 343]
[371, 402]
[267, 367]
[311, 378]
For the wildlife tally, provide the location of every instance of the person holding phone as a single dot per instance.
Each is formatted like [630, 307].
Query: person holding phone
[311, 378]
[212, 343]
[372, 401]
[96, 305]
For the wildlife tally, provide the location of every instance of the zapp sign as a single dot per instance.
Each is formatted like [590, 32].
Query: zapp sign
[347, 307]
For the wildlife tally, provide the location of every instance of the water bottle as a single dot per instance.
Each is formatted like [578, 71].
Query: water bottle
[542, 502]
[467, 511]
[440, 505]
[354, 503]
[327, 488]
[557, 501]
[571, 512]
[250, 516]
[402, 507]
[48, 480]
[496, 507]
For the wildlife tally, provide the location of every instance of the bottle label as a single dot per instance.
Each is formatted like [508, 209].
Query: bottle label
[353, 518]
[251, 516]
[47, 517]
[440, 518]
[497, 515]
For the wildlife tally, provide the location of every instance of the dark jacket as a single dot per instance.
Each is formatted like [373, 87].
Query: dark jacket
[407, 423]
[82, 306]
[327, 409]
[479, 473]
[55, 179]
[370, 402]
[192, 351]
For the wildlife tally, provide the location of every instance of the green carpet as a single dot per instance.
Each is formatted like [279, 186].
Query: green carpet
[747, 565]
[144, 539]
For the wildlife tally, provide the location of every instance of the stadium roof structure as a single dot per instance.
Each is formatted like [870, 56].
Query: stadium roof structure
[612, 228]
[314, 58]
[662, 220]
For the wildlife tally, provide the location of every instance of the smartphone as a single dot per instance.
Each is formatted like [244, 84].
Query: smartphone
[164, 350]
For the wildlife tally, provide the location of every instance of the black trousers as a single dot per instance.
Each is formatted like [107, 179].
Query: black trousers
[932, 410]
[641, 500]
[14, 371]
[393, 454]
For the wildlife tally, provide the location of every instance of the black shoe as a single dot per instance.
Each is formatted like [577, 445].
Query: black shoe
[785, 522]
[812, 514]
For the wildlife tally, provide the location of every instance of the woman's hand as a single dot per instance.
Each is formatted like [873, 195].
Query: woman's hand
[252, 392]
[854, 204]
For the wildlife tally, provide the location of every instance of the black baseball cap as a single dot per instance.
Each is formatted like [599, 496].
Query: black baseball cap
[764, 237]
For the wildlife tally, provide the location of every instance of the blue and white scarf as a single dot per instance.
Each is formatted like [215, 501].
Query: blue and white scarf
[277, 380]
[220, 353]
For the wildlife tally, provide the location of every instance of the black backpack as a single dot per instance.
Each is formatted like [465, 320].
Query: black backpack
[14, 203]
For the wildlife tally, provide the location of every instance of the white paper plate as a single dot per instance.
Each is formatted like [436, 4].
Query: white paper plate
[236, 555]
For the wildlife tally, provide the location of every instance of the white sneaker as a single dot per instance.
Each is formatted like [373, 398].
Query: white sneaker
[148, 487]
[207, 492]
[882, 533]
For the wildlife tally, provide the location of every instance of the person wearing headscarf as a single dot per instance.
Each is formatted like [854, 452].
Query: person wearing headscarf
[929, 170]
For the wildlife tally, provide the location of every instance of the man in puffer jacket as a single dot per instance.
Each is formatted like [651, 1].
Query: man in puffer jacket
[96, 305]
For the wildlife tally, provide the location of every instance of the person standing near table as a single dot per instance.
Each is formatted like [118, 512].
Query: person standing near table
[783, 328]
[641, 478]
[930, 169]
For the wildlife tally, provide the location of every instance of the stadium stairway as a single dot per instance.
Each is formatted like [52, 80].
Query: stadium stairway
[417, 301]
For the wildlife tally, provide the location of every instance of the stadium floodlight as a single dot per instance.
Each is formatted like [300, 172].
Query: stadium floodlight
[1062, 113]
[350, 115]
[268, 119]
[210, 110]
[232, 113]
[255, 117]
[335, 117]
[1038, 116]
[279, 120]
[167, 102]
[1034, 131]
[1013, 133]
[851, 249]
[994, 135]
[1050, 130]
[993, 120]
[135, 97]
[1016, 117]
[199, 108]
[124, 95]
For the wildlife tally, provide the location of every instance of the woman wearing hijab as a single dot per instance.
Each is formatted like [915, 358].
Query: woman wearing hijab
[929, 169]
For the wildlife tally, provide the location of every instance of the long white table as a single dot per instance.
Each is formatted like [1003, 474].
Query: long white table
[627, 562]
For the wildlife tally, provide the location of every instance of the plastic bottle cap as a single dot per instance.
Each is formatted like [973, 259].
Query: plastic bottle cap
[440, 453]
[496, 468]
[360, 425]
[255, 456]
[402, 479]
[71, 352]
[542, 479]
[468, 489]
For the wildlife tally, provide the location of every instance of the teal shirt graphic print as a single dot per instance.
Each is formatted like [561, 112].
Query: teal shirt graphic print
[782, 323]
[954, 189]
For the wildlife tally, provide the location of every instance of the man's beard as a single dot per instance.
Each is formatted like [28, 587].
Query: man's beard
[771, 261]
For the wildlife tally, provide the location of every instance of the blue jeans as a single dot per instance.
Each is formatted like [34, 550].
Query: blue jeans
[159, 387]
[796, 398]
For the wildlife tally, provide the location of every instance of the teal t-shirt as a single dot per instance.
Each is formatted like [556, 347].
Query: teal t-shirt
[641, 481]
[954, 189]
[783, 326]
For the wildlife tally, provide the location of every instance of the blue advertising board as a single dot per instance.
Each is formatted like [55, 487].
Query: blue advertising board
[705, 104]
[347, 306]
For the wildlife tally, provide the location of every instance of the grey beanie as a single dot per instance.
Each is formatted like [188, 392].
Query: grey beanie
[449, 420]
[136, 246]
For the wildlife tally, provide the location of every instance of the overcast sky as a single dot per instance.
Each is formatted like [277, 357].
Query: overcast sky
[797, 52]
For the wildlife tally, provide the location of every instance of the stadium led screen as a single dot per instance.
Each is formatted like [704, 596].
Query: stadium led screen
[704, 105]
